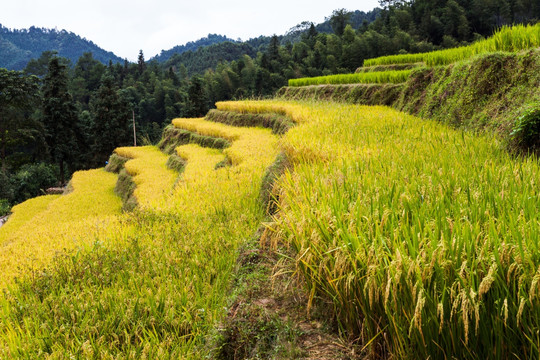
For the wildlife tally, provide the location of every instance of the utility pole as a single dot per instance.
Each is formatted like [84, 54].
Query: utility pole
[134, 132]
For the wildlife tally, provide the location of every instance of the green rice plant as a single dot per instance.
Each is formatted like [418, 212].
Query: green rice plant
[356, 78]
[396, 59]
[508, 38]
[391, 67]
[422, 237]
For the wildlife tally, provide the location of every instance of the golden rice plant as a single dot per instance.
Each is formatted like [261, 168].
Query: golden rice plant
[154, 180]
[423, 238]
[54, 224]
[23, 213]
[247, 141]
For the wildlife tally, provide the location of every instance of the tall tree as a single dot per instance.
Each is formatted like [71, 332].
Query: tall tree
[197, 98]
[60, 117]
[17, 93]
[111, 120]
[311, 36]
[141, 63]
[40, 66]
[339, 19]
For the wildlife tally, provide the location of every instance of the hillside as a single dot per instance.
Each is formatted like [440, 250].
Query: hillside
[388, 222]
[249, 47]
[389, 213]
[18, 47]
[208, 57]
[211, 39]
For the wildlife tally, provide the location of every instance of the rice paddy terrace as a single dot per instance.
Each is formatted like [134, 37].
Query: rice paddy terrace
[420, 237]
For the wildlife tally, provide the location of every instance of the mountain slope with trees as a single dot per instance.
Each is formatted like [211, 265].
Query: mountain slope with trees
[18, 47]
[211, 39]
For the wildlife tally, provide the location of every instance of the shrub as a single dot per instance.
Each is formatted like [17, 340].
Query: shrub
[32, 180]
[6, 186]
[4, 207]
[526, 132]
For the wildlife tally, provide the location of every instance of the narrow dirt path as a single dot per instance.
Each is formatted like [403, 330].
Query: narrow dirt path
[268, 317]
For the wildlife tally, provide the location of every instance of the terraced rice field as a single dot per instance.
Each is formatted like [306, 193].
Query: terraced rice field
[378, 77]
[151, 282]
[423, 238]
[508, 38]
[47, 226]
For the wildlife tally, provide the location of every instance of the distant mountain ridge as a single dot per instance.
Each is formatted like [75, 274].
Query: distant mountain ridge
[18, 47]
[194, 54]
[211, 39]
[208, 57]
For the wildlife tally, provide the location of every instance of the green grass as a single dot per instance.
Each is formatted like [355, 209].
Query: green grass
[508, 39]
[382, 77]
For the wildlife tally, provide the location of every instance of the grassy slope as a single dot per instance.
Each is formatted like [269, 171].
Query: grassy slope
[489, 91]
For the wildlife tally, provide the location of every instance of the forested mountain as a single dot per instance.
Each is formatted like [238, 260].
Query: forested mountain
[211, 39]
[207, 52]
[18, 47]
[208, 57]
[357, 19]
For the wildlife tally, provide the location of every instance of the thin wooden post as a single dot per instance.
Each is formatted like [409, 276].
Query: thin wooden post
[134, 132]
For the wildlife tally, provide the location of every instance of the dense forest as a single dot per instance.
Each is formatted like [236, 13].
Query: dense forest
[211, 39]
[59, 115]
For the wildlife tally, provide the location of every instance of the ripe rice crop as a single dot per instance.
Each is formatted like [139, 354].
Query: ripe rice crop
[155, 280]
[57, 223]
[422, 237]
[201, 162]
[148, 166]
[381, 77]
[23, 213]
[248, 141]
[510, 39]
[297, 113]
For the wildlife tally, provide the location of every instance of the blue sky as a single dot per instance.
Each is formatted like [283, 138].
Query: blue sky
[125, 26]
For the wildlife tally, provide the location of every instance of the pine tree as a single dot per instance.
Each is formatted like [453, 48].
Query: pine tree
[17, 93]
[339, 19]
[111, 120]
[197, 98]
[311, 36]
[60, 117]
[141, 63]
[273, 48]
